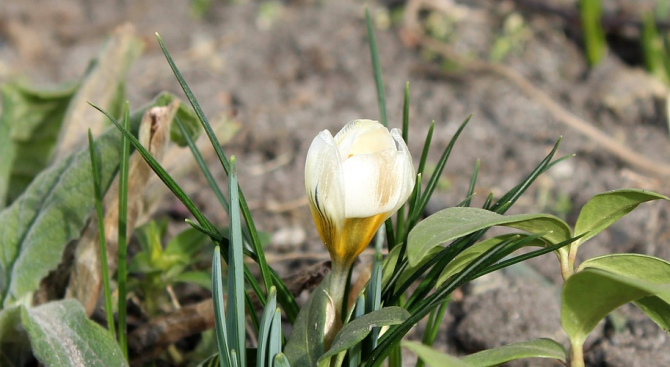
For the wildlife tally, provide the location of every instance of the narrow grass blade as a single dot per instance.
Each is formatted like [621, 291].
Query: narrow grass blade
[473, 182]
[432, 327]
[181, 195]
[203, 166]
[264, 329]
[256, 243]
[219, 310]
[235, 312]
[101, 236]
[432, 183]
[376, 68]
[373, 297]
[274, 343]
[426, 148]
[122, 234]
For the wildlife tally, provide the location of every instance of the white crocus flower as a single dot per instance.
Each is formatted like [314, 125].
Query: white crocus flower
[355, 181]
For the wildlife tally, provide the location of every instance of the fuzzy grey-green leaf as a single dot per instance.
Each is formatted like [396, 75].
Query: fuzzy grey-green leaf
[62, 335]
[536, 348]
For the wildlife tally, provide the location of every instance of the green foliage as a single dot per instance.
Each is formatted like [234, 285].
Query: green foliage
[432, 357]
[162, 267]
[356, 330]
[604, 209]
[52, 211]
[29, 127]
[305, 344]
[594, 35]
[536, 348]
[452, 223]
[62, 335]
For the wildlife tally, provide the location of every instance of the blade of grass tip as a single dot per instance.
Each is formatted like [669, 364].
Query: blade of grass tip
[473, 182]
[109, 310]
[432, 183]
[405, 114]
[236, 315]
[264, 329]
[255, 240]
[426, 147]
[122, 235]
[203, 166]
[488, 202]
[514, 194]
[181, 195]
[376, 68]
[219, 310]
[213, 235]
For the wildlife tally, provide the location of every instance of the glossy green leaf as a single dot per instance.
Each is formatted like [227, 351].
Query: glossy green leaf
[356, 330]
[604, 209]
[50, 213]
[473, 252]
[62, 335]
[591, 294]
[281, 360]
[432, 357]
[536, 348]
[305, 344]
[29, 126]
[452, 223]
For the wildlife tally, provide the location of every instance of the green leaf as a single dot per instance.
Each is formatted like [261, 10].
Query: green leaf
[594, 35]
[201, 278]
[432, 357]
[186, 244]
[62, 335]
[355, 331]
[473, 252]
[452, 223]
[604, 209]
[305, 344]
[536, 348]
[281, 360]
[29, 126]
[50, 213]
[642, 267]
[212, 361]
[592, 293]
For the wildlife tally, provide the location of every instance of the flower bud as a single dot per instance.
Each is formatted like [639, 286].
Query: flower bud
[355, 181]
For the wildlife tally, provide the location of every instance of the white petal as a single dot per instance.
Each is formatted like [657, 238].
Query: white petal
[372, 183]
[324, 184]
[405, 162]
[362, 137]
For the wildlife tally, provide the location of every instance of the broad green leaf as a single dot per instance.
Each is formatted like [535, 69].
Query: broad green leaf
[14, 344]
[473, 252]
[29, 126]
[186, 243]
[536, 348]
[62, 335]
[305, 344]
[647, 268]
[592, 293]
[604, 209]
[281, 360]
[51, 212]
[452, 223]
[355, 331]
[432, 357]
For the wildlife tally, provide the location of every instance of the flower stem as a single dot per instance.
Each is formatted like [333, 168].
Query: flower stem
[339, 274]
[576, 354]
